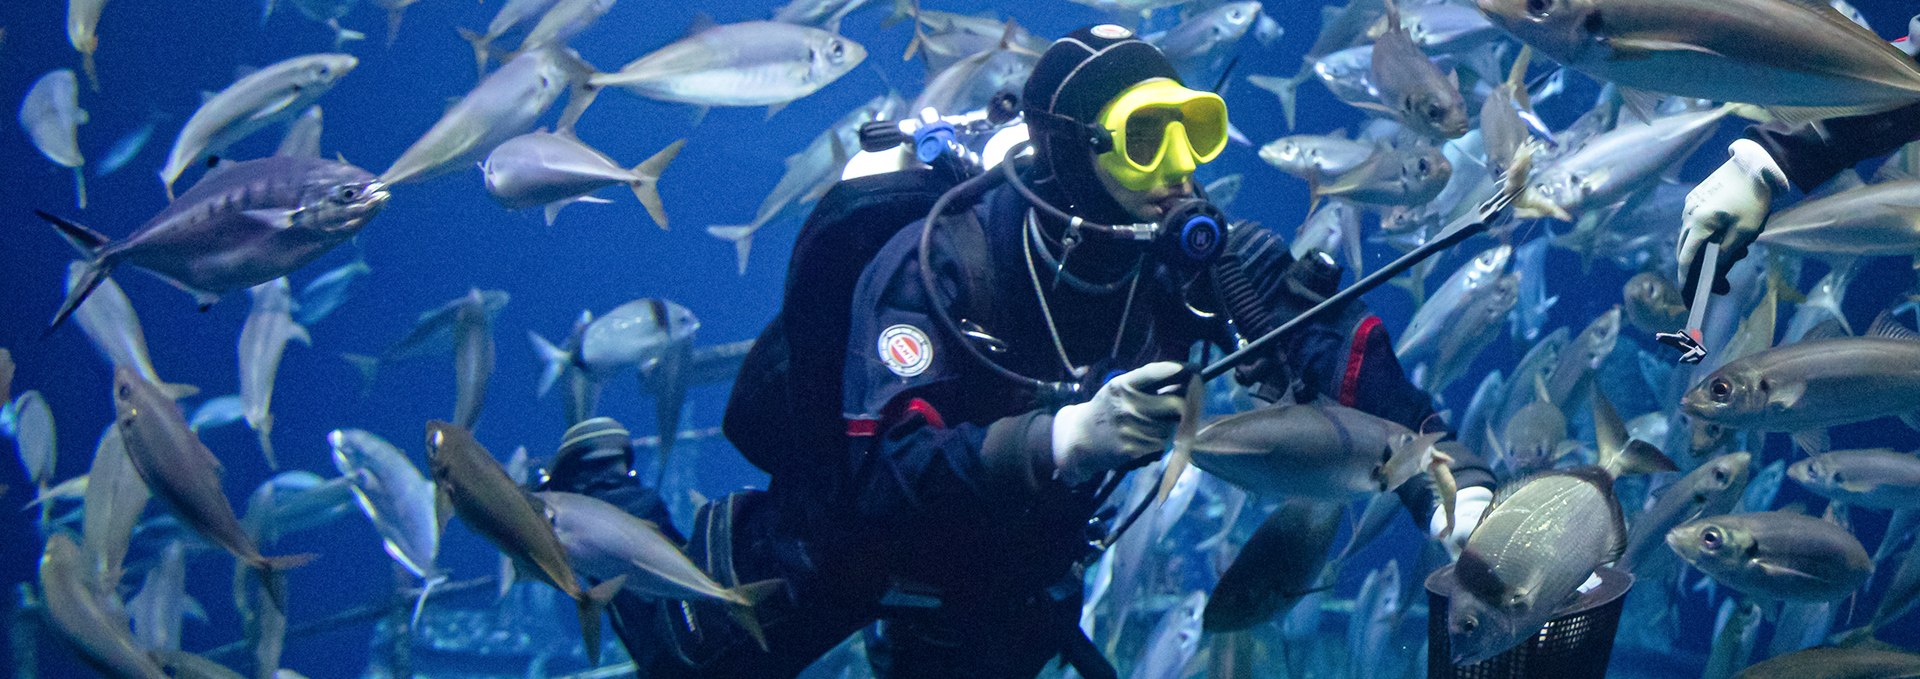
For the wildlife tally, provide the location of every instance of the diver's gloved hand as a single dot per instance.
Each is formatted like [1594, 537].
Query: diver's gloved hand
[1730, 206]
[1132, 416]
[1469, 505]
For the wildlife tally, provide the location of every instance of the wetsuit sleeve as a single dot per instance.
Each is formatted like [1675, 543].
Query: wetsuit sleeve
[1809, 158]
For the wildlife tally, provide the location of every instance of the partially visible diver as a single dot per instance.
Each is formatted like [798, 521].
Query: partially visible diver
[944, 405]
[1770, 161]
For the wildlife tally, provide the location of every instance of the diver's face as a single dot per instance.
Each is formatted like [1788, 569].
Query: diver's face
[1149, 205]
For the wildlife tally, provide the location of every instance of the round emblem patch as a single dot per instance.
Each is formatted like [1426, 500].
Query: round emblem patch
[1111, 32]
[906, 350]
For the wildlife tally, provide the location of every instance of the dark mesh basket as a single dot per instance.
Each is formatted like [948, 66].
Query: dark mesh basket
[1573, 645]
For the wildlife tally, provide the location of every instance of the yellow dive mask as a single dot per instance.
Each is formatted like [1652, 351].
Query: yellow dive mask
[1161, 132]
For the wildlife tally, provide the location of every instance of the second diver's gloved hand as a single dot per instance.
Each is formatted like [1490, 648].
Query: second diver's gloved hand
[1469, 505]
[1132, 416]
[1729, 206]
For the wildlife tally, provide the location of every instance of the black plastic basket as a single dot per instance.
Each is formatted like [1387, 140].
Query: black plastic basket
[1574, 645]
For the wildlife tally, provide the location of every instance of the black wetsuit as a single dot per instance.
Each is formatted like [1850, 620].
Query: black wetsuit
[1810, 155]
[935, 484]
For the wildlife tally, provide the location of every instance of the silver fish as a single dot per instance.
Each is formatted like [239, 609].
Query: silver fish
[1430, 320]
[267, 96]
[1873, 220]
[242, 225]
[29, 422]
[473, 355]
[1309, 155]
[1333, 228]
[946, 37]
[1442, 27]
[1652, 303]
[83, 20]
[1200, 35]
[1508, 585]
[820, 13]
[970, 83]
[557, 169]
[504, 105]
[162, 603]
[1377, 610]
[1538, 362]
[321, 296]
[1314, 451]
[1764, 488]
[295, 501]
[1474, 326]
[1530, 261]
[1277, 566]
[1823, 303]
[328, 13]
[128, 146]
[754, 63]
[1876, 478]
[115, 499]
[89, 615]
[1412, 89]
[51, 116]
[811, 172]
[303, 135]
[511, 16]
[562, 21]
[1611, 166]
[1734, 630]
[433, 332]
[1411, 175]
[1711, 489]
[1781, 55]
[179, 470]
[1582, 358]
[1835, 662]
[636, 334]
[398, 500]
[1815, 384]
[605, 542]
[1174, 641]
[263, 338]
[1775, 555]
[183, 665]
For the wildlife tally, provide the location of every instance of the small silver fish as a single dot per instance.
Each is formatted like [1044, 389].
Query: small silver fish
[1775, 555]
[263, 338]
[504, 105]
[557, 169]
[753, 63]
[267, 96]
[51, 115]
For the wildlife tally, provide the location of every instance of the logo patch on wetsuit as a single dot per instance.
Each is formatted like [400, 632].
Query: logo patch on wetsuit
[1111, 32]
[906, 350]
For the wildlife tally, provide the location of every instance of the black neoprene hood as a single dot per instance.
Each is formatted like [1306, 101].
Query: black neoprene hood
[1076, 78]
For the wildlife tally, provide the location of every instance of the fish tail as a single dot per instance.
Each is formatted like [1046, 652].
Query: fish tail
[420, 605]
[480, 44]
[1283, 88]
[342, 34]
[91, 245]
[749, 597]
[273, 572]
[393, 23]
[176, 391]
[555, 359]
[742, 237]
[80, 186]
[369, 367]
[591, 603]
[646, 177]
[86, 64]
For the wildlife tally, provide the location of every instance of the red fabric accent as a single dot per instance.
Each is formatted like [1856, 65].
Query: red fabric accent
[927, 412]
[1356, 356]
[862, 427]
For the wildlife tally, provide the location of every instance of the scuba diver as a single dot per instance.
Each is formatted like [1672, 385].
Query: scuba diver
[1731, 205]
[963, 368]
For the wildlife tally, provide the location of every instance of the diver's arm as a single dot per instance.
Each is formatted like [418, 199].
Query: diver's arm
[1810, 154]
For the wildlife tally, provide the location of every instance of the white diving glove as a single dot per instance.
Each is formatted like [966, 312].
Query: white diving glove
[1730, 206]
[1129, 418]
[1468, 506]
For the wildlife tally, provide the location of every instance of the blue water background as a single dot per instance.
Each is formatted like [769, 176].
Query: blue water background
[440, 237]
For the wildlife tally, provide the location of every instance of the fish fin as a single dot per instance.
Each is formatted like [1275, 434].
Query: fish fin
[1799, 115]
[579, 98]
[480, 45]
[701, 22]
[750, 596]
[341, 34]
[265, 433]
[177, 391]
[591, 604]
[742, 237]
[1832, 328]
[646, 180]
[1912, 420]
[88, 242]
[1812, 441]
[394, 16]
[1776, 569]
[420, 604]
[699, 115]
[1286, 89]
[1885, 325]
[1609, 433]
[1409, 459]
[1182, 454]
[555, 360]
[509, 572]
[92, 274]
[774, 109]
[552, 211]
[273, 573]
[275, 107]
[276, 218]
[1641, 103]
[191, 608]
[368, 367]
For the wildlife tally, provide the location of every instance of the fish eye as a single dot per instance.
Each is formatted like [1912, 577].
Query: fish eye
[347, 194]
[1721, 389]
[839, 50]
[1469, 625]
[1711, 538]
[1425, 167]
[1436, 111]
[1539, 8]
[1719, 475]
[1763, 384]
